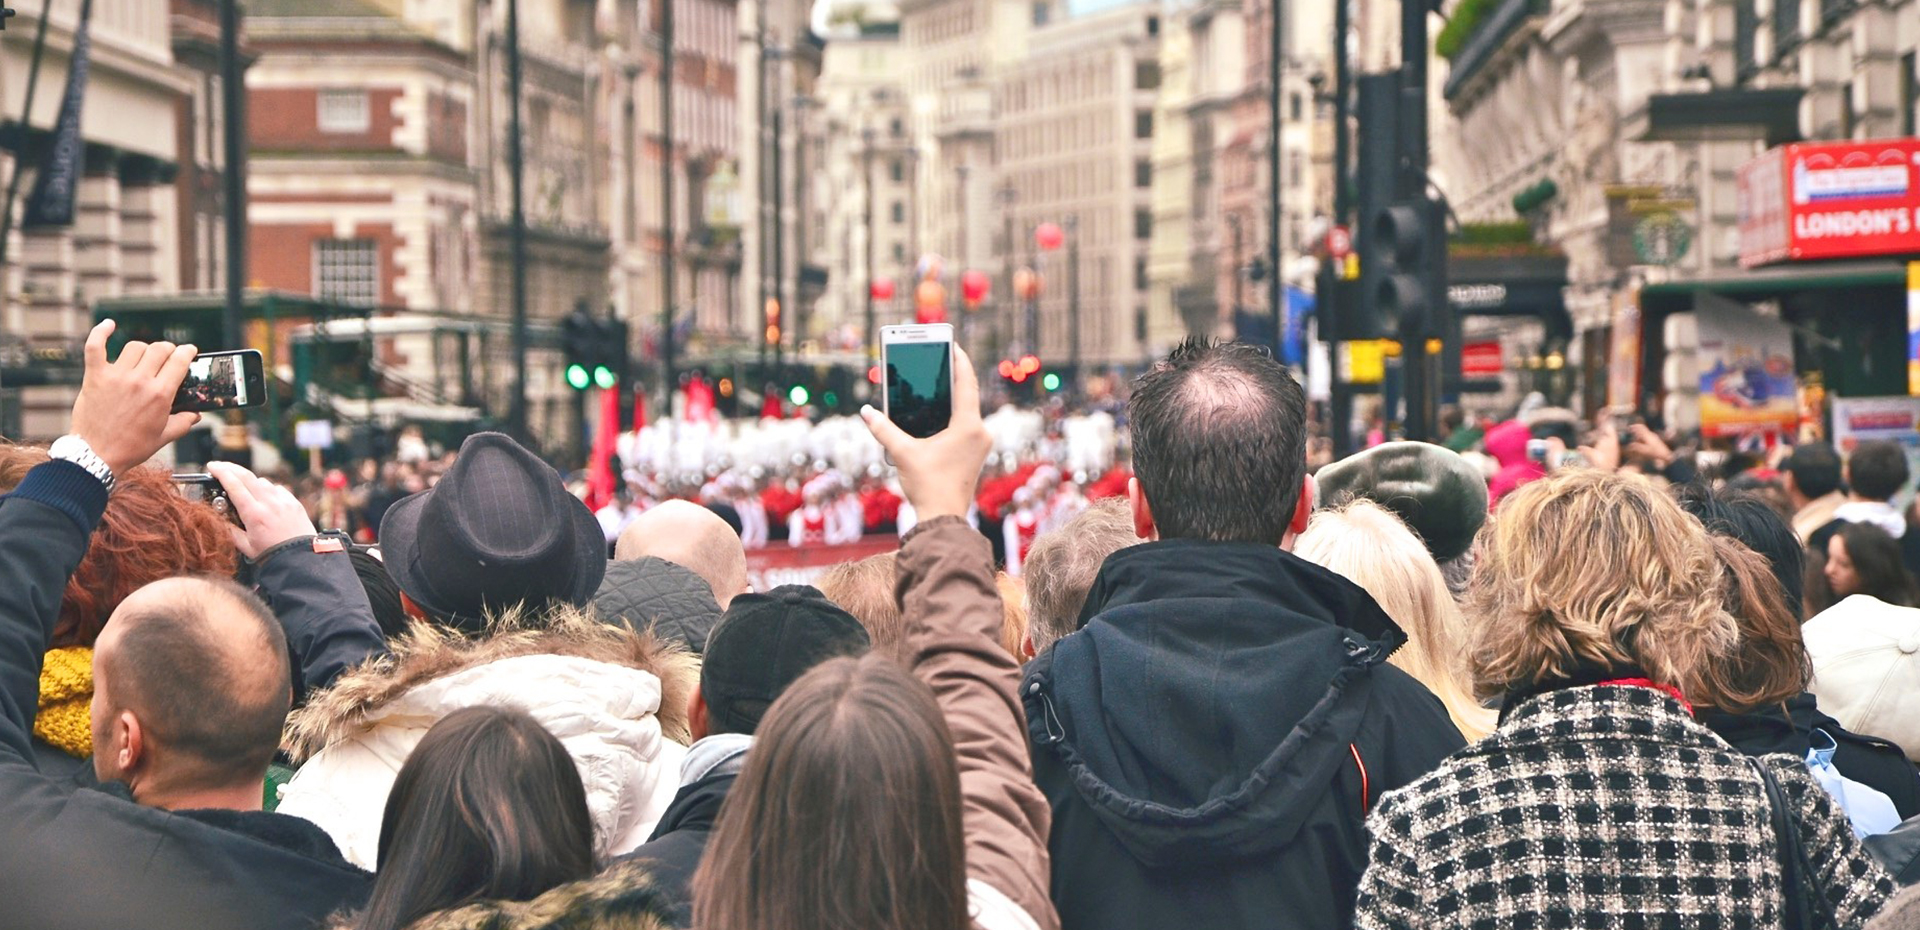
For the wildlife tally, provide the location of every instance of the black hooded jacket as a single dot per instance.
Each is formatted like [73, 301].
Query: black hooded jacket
[1788, 728]
[1211, 741]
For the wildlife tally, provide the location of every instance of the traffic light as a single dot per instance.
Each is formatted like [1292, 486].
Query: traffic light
[1051, 381]
[1407, 286]
[579, 338]
[610, 364]
[1376, 181]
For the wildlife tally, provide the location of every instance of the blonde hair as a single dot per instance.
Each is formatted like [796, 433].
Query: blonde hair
[1586, 568]
[1063, 564]
[1371, 546]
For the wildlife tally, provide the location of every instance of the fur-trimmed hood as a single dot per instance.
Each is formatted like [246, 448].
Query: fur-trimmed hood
[614, 697]
[426, 652]
[621, 898]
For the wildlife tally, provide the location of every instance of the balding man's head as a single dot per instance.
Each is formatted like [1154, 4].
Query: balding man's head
[694, 538]
[191, 688]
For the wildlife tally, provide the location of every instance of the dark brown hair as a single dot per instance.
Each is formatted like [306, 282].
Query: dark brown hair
[488, 806]
[1770, 663]
[1219, 442]
[847, 816]
[1877, 561]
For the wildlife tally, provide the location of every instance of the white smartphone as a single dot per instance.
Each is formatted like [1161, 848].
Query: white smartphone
[918, 362]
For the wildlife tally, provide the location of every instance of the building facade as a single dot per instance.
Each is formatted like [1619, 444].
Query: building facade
[865, 191]
[125, 238]
[1076, 143]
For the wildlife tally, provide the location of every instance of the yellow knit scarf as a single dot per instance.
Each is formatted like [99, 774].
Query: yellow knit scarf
[66, 692]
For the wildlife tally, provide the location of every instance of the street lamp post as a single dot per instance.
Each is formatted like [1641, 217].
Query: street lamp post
[1276, 283]
[517, 406]
[866, 173]
[1073, 305]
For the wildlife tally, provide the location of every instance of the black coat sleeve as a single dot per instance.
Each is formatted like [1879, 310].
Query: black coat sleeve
[44, 527]
[322, 606]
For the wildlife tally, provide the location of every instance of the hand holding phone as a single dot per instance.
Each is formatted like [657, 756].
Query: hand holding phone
[222, 381]
[917, 362]
[940, 474]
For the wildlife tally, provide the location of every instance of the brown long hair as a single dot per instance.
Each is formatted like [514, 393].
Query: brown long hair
[847, 815]
[1771, 663]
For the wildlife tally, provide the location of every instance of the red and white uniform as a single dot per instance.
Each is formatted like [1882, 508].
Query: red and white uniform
[1018, 532]
[807, 527]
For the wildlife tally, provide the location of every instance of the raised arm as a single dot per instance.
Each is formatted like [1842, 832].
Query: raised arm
[121, 418]
[952, 609]
[306, 578]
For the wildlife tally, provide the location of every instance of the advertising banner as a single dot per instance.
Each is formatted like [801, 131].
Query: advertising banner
[1830, 200]
[780, 563]
[1623, 354]
[1913, 327]
[1747, 383]
[1858, 419]
[1481, 360]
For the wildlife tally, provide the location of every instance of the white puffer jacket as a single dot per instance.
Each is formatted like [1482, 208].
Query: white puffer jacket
[616, 699]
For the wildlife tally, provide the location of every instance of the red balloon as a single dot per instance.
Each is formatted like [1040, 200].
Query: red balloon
[974, 286]
[1049, 236]
[882, 288]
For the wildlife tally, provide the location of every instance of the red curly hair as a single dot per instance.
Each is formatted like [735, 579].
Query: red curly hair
[149, 532]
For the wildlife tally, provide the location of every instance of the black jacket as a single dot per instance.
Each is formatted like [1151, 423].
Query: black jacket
[93, 858]
[1212, 740]
[673, 852]
[1788, 728]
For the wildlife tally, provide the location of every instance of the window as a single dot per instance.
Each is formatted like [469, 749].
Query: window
[898, 211]
[1146, 75]
[1143, 124]
[1142, 173]
[344, 111]
[899, 253]
[1153, 25]
[1041, 11]
[1140, 281]
[1143, 224]
[896, 128]
[347, 270]
[1295, 107]
[897, 170]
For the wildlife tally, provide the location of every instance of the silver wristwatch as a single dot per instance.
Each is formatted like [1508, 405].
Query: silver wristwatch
[71, 448]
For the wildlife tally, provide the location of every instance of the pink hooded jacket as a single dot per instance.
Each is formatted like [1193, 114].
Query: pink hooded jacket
[1507, 443]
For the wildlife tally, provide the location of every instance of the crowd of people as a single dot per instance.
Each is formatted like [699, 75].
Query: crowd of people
[1400, 690]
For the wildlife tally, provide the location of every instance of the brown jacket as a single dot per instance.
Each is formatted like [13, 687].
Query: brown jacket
[947, 596]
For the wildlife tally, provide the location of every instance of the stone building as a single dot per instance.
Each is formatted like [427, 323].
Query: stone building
[1076, 129]
[129, 215]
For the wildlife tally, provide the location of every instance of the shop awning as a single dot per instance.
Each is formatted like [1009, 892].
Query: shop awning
[1786, 279]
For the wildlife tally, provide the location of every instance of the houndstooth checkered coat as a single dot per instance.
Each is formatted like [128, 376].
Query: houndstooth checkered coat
[1603, 808]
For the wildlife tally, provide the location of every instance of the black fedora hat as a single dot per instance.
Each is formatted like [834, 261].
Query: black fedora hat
[498, 529]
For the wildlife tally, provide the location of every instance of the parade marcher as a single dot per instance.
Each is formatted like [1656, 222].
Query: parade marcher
[192, 680]
[1021, 527]
[1600, 801]
[1212, 738]
[808, 526]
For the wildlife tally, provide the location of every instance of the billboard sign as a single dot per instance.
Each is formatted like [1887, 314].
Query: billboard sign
[1830, 200]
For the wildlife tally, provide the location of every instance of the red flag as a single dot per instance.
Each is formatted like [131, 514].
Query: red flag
[600, 476]
[639, 409]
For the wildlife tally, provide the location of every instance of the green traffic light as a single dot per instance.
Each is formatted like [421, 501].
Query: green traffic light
[1051, 382]
[603, 376]
[831, 399]
[799, 395]
[577, 377]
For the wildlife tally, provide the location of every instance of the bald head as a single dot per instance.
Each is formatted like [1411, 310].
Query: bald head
[199, 667]
[694, 538]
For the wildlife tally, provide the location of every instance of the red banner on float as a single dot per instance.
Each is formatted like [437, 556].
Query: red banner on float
[1482, 360]
[1830, 200]
[780, 563]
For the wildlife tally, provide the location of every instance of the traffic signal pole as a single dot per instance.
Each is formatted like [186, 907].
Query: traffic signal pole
[1420, 368]
[1333, 291]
